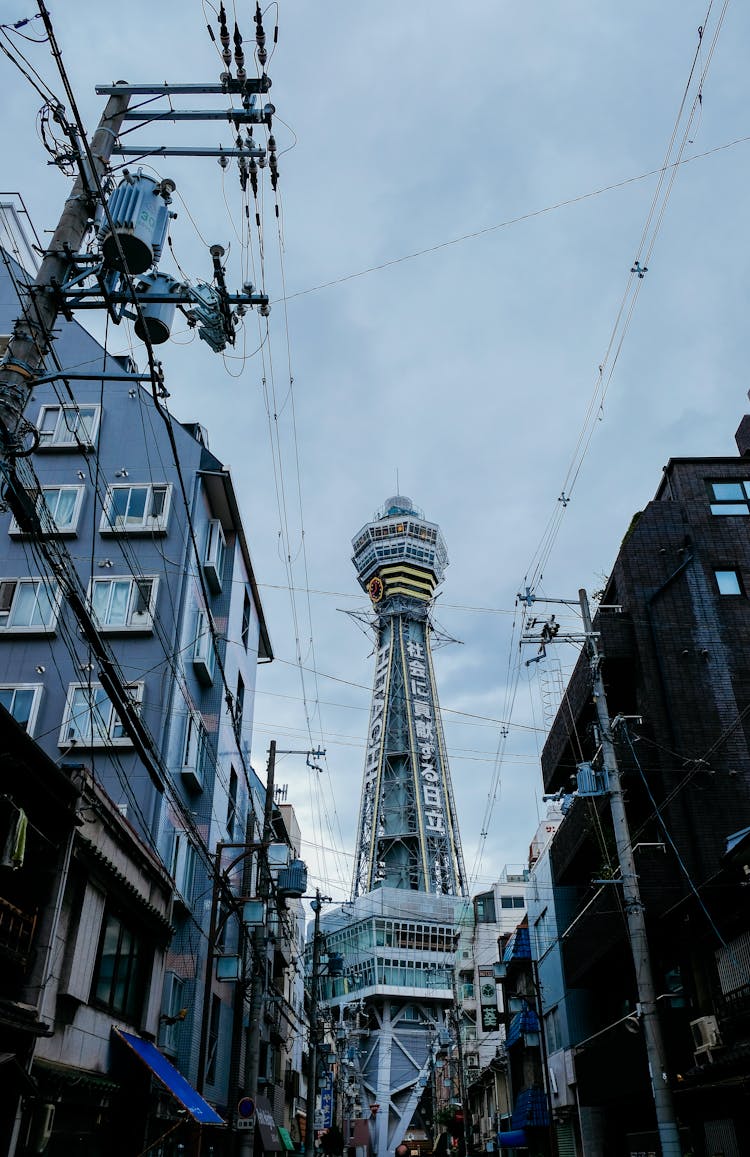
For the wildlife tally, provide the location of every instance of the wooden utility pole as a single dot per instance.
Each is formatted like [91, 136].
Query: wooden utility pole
[32, 332]
[634, 912]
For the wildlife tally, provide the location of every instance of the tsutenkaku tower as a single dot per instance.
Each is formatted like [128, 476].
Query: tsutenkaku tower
[408, 834]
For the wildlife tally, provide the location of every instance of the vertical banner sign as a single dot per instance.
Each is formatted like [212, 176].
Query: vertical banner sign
[326, 1103]
[424, 728]
[488, 1000]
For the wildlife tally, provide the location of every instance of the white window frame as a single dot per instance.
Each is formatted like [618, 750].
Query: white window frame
[71, 431]
[36, 689]
[107, 736]
[215, 555]
[194, 750]
[59, 531]
[204, 651]
[148, 523]
[135, 621]
[7, 626]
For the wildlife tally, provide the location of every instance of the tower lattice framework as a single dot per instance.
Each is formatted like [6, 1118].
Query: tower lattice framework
[408, 834]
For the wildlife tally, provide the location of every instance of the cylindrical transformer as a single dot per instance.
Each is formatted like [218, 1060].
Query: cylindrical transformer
[138, 208]
[156, 317]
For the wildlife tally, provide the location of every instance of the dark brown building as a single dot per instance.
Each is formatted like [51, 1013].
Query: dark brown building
[675, 635]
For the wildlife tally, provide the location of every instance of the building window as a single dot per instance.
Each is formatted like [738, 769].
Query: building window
[204, 653]
[729, 582]
[213, 563]
[232, 802]
[484, 908]
[119, 970]
[90, 719]
[136, 509]
[213, 1039]
[28, 605]
[729, 497]
[247, 611]
[124, 603]
[552, 1034]
[58, 508]
[182, 865]
[67, 427]
[512, 902]
[175, 1010]
[194, 752]
[22, 701]
[239, 703]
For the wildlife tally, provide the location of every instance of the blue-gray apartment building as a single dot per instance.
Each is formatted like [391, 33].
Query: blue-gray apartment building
[163, 557]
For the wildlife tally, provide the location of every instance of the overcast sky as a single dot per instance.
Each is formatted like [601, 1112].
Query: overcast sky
[467, 371]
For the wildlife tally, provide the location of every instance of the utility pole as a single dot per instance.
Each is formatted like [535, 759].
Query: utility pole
[312, 1056]
[32, 332]
[634, 910]
[259, 966]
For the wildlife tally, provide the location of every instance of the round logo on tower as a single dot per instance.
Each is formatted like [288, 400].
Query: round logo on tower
[375, 589]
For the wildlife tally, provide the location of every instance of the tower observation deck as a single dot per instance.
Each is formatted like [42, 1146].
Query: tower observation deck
[407, 835]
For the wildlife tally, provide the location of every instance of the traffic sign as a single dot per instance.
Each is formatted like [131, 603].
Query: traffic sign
[246, 1108]
[247, 1123]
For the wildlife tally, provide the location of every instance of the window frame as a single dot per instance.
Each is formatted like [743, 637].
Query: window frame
[68, 531]
[215, 555]
[54, 595]
[76, 442]
[247, 619]
[727, 507]
[98, 740]
[36, 689]
[137, 969]
[737, 574]
[149, 523]
[195, 746]
[204, 651]
[129, 627]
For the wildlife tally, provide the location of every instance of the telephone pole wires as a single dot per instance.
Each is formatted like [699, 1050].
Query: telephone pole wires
[634, 909]
[32, 332]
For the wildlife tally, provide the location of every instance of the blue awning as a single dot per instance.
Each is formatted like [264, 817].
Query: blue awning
[518, 946]
[165, 1072]
[516, 1139]
[523, 1022]
[531, 1109]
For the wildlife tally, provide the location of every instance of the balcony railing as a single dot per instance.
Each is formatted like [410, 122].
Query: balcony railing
[16, 931]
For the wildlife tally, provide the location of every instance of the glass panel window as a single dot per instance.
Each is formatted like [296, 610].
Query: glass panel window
[215, 554]
[28, 605]
[728, 582]
[90, 720]
[730, 497]
[247, 610]
[119, 971]
[68, 426]
[137, 508]
[124, 603]
[58, 508]
[22, 701]
[232, 803]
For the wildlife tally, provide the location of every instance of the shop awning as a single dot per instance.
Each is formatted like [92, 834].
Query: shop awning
[515, 1139]
[269, 1134]
[287, 1140]
[165, 1072]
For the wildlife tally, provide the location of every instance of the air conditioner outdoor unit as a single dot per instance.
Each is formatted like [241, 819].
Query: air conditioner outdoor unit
[705, 1032]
